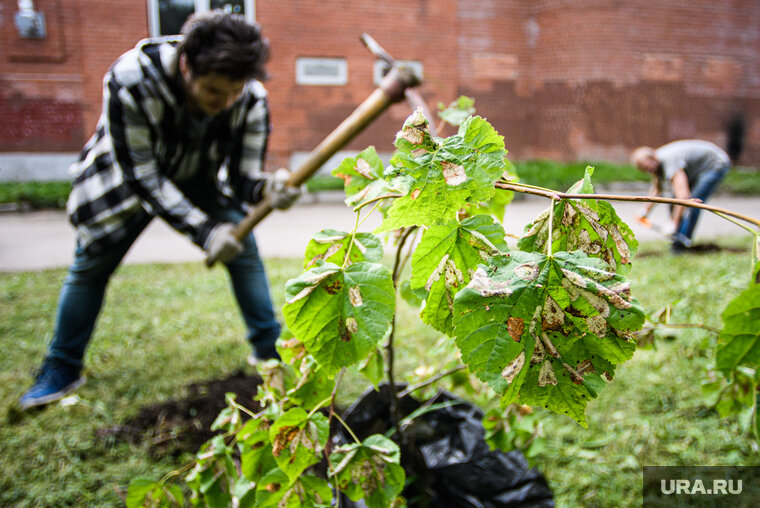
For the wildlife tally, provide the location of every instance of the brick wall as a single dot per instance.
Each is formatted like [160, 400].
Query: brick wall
[581, 79]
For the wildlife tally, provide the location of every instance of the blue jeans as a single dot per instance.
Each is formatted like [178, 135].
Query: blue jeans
[84, 289]
[703, 188]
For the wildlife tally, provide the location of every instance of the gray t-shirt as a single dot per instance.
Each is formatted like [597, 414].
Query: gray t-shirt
[694, 156]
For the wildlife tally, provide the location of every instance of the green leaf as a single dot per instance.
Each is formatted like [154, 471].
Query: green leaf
[298, 440]
[330, 245]
[364, 180]
[314, 385]
[277, 489]
[445, 174]
[256, 457]
[542, 329]
[739, 342]
[591, 226]
[358, 172]
[497, 204]
[584, 185]
[340, 315]
[444, 259]
[372, 368]
[369, 471]
[229, 419]
[139, 491]
[458, 111]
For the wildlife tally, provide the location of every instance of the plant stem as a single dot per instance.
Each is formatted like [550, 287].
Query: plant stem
[332, 413]
[430, 380]
[389, 354]
[398, 264]
[377, 199]
[345, 426]
[551, 225]
[693, 203]
[688, 325]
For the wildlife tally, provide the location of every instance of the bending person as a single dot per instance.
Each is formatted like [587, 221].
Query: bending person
[693, 168]
[182, 136]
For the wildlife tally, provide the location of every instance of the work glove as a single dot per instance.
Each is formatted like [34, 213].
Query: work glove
[280, 194]
[221, 245]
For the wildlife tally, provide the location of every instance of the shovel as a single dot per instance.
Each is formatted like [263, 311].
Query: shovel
[394, 87]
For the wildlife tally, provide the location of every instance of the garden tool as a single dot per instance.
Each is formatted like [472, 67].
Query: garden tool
[393, 88]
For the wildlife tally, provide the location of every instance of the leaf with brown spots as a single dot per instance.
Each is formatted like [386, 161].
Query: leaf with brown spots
[588, 225]
[443, 260]
[573, 309]
[331, 246]
[340, 315]
[298, 439]
[446, 174]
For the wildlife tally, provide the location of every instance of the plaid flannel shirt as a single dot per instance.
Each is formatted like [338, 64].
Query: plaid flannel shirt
[142, 152]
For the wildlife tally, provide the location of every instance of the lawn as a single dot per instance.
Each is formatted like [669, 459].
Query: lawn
[743, 181]
[166, 327]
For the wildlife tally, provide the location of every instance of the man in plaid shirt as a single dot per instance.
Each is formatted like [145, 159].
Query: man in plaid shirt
[182, 136]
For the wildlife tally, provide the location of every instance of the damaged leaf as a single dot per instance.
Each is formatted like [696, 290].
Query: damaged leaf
[588, 225]
[340, 315]
[444, 175]
[370, 471]
[330, 245]
[739, 342]
[442, 261]
[364, 181]
[298, 439]
[576, 316]
[277, 489]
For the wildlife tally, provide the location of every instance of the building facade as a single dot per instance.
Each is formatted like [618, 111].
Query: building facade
[568, 80]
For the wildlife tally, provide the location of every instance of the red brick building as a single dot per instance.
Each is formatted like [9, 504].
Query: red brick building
[571, 80]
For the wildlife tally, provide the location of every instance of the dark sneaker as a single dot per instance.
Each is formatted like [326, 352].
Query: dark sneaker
[53, 382]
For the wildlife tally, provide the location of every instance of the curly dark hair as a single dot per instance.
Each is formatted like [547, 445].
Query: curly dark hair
[215, 41]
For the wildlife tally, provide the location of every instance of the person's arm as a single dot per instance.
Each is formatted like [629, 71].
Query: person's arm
[655, 189]
[246, 160]
[133, 135]
[681, 190]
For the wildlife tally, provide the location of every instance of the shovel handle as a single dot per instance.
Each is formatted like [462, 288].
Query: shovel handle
[392, 89]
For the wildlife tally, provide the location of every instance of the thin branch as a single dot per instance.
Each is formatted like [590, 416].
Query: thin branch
[693, 203]
[686, 326]
[429, 381]
[380, 198]
[345, 426]
[550, 240]
[397, 263]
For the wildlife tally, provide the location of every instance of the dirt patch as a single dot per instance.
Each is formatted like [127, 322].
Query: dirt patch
[699, 248]
[178, 426]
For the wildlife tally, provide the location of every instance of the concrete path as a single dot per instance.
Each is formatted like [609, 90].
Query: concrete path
[39, 240]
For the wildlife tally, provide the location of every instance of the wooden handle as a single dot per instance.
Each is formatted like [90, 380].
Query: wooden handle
[392, 89]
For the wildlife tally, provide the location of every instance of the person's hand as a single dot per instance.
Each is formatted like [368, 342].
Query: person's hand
[280, 194]
[222, 245]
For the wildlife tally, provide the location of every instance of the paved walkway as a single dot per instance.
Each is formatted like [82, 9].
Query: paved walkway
[39, 240]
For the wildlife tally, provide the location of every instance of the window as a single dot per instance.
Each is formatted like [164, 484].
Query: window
[321, 71]
[166, 17]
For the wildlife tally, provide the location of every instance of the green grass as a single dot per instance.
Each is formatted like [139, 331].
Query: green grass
[166, 326]
[35, 194]
[544, 173]
[561, 176]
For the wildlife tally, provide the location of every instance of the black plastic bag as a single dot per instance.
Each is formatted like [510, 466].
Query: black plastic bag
[445, 453]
